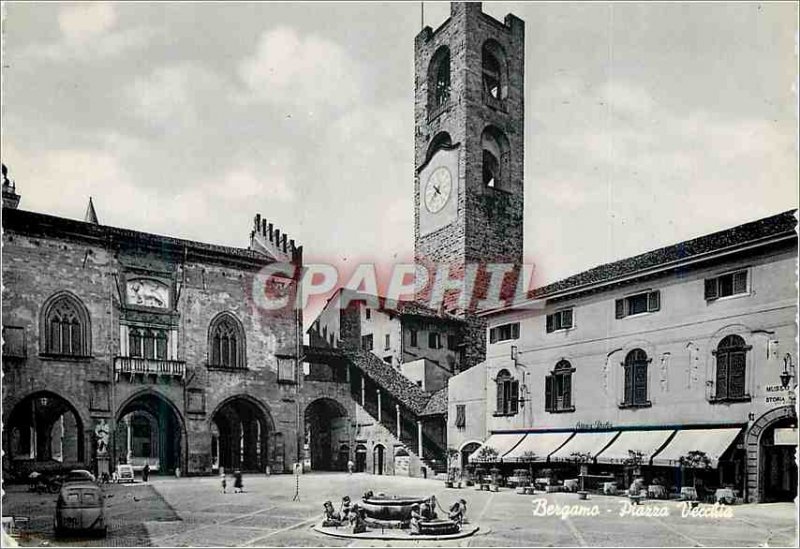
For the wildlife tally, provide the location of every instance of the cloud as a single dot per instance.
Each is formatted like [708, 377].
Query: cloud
[85, 22]
[308, 72]
[89, 31]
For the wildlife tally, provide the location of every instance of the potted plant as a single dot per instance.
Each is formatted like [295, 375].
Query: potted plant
[633, 468]
[582, 459]
[528, 457]
[452, 469]
[470, 474]
[497, 479]
[694, 461]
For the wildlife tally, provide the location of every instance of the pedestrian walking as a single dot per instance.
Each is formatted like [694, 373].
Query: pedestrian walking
[145, 471]
[224, 483]
[350, 466]
[238, 485]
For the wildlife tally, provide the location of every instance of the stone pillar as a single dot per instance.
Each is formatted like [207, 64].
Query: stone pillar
[419, 438]
[128, 450]
[379, 405]
[397, 408]
[363, 391]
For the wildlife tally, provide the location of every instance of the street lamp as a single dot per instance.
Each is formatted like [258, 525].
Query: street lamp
[787, 376]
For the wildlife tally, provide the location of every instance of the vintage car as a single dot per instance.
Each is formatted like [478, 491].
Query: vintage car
[79, 475]
[125, 473]
[80, 507]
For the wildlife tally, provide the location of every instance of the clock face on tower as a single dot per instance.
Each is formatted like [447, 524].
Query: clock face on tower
[438, 189]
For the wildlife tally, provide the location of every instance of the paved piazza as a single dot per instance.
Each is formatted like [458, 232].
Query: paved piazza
[193, 511]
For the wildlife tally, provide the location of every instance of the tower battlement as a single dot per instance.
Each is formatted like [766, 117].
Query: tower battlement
[267, 239]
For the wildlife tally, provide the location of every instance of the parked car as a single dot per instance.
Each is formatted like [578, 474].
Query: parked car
[125, 473]
[79, 475]
[80, 507]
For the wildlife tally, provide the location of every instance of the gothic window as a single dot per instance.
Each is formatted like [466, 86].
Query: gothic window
[635, 390]
[495, 79]
[149, 343]
[439, 80]
[731, 357]
[226, 342]
[507, 394]
[495, 158]
[65, 327]
[558, 388]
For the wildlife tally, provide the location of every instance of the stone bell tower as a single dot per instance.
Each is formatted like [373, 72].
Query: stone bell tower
[469, 147]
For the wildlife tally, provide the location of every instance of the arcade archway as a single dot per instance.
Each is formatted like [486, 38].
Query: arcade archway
[378, 456]
[150, 430]
[240, 439]
[42, 428]
[327, 429]
[771, 445]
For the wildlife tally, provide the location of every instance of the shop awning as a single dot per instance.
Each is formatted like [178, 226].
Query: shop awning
[713, 442]
[645, 442]
[584, 443]
[501, 442]
[540, 444]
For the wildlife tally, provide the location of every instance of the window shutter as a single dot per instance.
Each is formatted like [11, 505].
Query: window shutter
[566, 318]
[493, 335]
[548, 393]
[620, 308]
[567, 390]
[654, 301]
[628, 396]
[740, 282]
[550, 319]
[500, 397]
[711, 289]
[640, 383]
[514, 397]
[736, 374]
[722, 375]
[515, 330]
[460, 416]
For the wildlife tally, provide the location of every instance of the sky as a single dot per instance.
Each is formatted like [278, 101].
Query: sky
[645, 124]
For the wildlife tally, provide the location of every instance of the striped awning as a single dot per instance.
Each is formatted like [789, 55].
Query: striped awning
[591, 443]
[502, 443]
[540, 445]
[712, 442]
[646, 443]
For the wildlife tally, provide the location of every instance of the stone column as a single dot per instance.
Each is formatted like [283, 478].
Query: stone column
[419, 438]
[379, 405]
[397, 408]
[128, 451]
[363, 390]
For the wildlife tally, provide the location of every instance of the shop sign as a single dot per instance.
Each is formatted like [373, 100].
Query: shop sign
[596, 426]
[778, 395]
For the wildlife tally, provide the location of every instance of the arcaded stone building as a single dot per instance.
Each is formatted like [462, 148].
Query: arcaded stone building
[124, 346]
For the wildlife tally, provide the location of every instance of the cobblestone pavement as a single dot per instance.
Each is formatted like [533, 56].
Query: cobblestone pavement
[193, 511]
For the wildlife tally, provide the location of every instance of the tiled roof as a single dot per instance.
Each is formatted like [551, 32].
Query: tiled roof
[775, 225]
[437, 404]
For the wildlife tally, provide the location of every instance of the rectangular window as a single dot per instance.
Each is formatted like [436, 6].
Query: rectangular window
[368, 313]
[645, 302]
[452, 342]
[413, 337]
[560, 320]
[726, 285]
[504, 332]
[286, 370]
[434, 340]
[366, 342]
[461, 416]
[388, 344]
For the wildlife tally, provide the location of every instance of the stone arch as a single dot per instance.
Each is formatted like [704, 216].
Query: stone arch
[378, 459]
[65, 299]
[494, 69]
[495, 158]
[173, 441]
[753, 447]
[326, 428]
[227, 344]
[441, 140]
[245, 435]
[439, 80]
[39, 421]
[465, 450]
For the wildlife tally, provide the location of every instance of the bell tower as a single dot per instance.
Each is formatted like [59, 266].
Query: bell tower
[469, 143]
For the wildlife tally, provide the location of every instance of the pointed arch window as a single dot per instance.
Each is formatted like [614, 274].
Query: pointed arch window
[731, 362]
[635, 389]
[439, 85]
[65, 327]
[226, 342]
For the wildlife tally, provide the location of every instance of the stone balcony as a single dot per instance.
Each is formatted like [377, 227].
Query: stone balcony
[149, 366]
